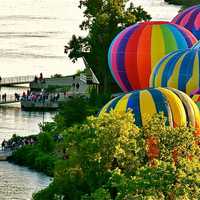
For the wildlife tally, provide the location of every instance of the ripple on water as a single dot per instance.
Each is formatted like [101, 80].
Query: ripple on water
[19, 183]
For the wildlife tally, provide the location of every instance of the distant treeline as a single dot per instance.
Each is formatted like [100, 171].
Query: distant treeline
[184, 3]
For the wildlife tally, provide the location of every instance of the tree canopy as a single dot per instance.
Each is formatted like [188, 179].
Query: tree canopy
[103, 20]
[184, 3]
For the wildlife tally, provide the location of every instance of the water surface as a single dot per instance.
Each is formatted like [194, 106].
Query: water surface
[19, 183]
[33, 33]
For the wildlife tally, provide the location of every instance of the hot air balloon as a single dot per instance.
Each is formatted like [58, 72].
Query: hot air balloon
[195, 95]
[179, 69]
[178, 108]
[136, 50]
[196, 45]
[190, 19]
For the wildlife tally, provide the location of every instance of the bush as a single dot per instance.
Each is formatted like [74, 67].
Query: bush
[33, 157]
[46, 143]
[109, 159]
[98, 99]
[73, 111]
[45, 163]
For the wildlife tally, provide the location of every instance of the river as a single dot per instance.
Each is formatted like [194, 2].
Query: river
[32, 36]
[19, 183]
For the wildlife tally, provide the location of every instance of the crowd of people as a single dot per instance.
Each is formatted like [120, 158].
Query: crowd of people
[17, 142]
[39, 79]
[32, 96]
[40, 97]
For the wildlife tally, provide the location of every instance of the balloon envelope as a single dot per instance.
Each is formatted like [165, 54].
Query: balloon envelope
[178, 108]
[179, 69]
[136, 50]
[196, 45]
[190, 19]
[195, 95]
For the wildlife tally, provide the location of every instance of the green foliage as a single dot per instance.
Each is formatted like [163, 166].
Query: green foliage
[46, 142]
[103, 20]
[48, 127]
[73, 111]
[33, 157]
[108, 160]
[98, 100]
[99, 194]
[180, 138]
[44, 194]
[184, 3]
[45, 163]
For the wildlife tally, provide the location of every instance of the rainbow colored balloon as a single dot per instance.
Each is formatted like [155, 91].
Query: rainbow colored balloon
[179, 108]
[190, 19]
[136, 50]
[179, 69]
[195, 95]
[196, 45]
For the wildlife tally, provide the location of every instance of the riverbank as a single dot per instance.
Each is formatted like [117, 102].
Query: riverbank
[40, 161]
[96, 158]
[49, 147]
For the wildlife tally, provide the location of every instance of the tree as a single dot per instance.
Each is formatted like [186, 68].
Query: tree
[103, 20]
[184, 3]
[108, 159]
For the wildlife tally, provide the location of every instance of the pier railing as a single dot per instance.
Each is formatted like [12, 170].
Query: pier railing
[16, 80]
[86, 78]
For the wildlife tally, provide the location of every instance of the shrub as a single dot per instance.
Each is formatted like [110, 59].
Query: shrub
[46, 143]
[71, 112]
[45, 163]
[108, 159]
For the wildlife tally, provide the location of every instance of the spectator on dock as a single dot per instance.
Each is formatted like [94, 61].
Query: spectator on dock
[3, 144]
[4, 97]
[36, 79]
[77, 86]
[41, 77]
[17, 97]
[28, 92]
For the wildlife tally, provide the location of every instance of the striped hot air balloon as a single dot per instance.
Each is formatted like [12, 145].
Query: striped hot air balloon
[179, 69]
[179, 108]
[190, 19]
[195, 95]
[136, 50]
[196, 45]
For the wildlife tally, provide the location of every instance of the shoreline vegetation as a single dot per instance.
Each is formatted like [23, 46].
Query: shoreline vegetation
[183, 3]
[110, 158]
[47, 148]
